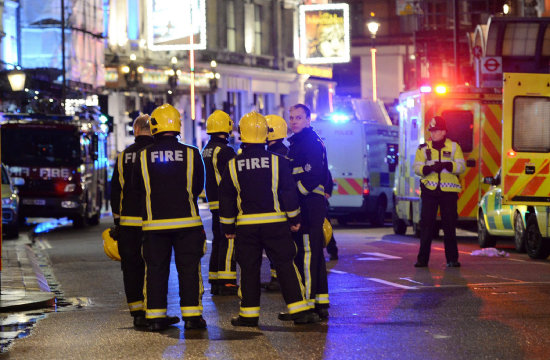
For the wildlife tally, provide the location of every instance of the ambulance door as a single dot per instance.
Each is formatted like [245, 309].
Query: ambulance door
[346, 153]
[526, 139]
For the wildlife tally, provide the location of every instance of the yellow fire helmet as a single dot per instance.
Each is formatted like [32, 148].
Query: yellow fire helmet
[327, 231]
[110, 245]
[165, 118]
[278, 126]
[219, 122]
[253, 128]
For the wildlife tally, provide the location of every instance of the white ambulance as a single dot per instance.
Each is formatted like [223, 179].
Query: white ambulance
[362, 158]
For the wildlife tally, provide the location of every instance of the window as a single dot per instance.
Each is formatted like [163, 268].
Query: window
[546, 42]
[231, 30]
[531, 124]
[520, 39]
[257, 29]
[460, 128]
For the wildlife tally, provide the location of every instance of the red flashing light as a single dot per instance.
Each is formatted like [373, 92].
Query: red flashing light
[366, 189]
[441, 89]
[511, 153]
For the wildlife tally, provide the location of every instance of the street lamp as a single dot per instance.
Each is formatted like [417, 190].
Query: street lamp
[373, 29]
[17, 79]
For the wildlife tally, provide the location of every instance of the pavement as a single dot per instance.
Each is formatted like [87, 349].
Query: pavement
[23, 286]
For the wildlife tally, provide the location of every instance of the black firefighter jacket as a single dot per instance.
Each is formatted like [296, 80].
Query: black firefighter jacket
[170, 179]
[257, 188]
[124, 200]
[309, 162]
[216, 155]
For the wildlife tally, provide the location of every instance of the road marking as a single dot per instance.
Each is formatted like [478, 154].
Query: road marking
[369, 259]
[460, 252]
[337, 271]
[385, 256]
[411, 280]
[500, 277]
[392, 284]
[44, 244]
[398, 242]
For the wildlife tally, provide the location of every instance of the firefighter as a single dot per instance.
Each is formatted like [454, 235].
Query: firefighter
[332, 248]
[277, 133]
[259, 207]
[127, 218]
[438, 162]
[309, 166]
[171, 177]
[222, 273]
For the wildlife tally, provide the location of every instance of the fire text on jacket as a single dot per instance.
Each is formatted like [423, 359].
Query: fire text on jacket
[253, 163]
[166, 156]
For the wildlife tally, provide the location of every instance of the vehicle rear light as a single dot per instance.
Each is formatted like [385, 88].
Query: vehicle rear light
[366, 189]
[441, 89]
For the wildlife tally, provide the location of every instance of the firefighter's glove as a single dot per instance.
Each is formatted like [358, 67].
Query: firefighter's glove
[447, 165]
[115, 232]
[427, 169]
[437, 167]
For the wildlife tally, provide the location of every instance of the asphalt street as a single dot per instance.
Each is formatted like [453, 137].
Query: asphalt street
[381, 306]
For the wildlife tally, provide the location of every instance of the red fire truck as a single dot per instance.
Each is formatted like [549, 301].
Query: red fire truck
[63, 161]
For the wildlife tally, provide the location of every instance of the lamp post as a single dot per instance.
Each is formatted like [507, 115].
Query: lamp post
[373, 29]
[17, 79]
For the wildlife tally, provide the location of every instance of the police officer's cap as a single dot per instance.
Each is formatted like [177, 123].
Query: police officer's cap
[437, 123]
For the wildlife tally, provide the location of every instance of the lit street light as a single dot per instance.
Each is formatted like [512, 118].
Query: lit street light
[17, 80]
[373, 29]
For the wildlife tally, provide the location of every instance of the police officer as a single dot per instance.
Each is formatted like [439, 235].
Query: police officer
[277, 133]
[309, 167]
[222, 273]
[127, 216]
[259, 206]
[439, 162]
[171, 177]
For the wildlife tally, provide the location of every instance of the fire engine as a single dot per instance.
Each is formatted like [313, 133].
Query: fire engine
[362, 158]
[63, 162]
[473, 117]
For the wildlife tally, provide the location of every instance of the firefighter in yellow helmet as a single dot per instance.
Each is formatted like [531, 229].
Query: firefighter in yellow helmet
[275, 137]
[259, 206]
[127, 217]
[170, 176]
[438, 162]
[222, 273]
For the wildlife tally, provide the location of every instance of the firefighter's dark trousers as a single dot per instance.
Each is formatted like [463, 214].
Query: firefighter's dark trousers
[310, 259]
[226, 264]
[447, 204]
[222, 267]
[189, 246]
[132, 264]
[275, 238]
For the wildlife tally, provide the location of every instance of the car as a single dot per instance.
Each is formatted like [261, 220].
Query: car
[10, 203]
[495, 219]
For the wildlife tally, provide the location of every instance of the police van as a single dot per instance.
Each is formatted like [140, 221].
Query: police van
[362, 158]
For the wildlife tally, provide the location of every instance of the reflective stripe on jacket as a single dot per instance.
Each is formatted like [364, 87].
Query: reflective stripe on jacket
[427, 155]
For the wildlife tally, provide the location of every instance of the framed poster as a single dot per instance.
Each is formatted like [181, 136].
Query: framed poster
[172, 23]
[324, 34]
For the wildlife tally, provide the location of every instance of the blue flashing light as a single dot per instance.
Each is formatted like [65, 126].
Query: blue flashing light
[339, 118]
[103, 119]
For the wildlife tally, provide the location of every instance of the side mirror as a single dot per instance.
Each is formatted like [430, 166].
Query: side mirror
[18, 181]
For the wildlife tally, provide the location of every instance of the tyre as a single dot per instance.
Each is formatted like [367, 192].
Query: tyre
[484, 239]
[537, 247]
[519, 233]
[377, 218]
[93, 220]
[78, 221]
[399, 226]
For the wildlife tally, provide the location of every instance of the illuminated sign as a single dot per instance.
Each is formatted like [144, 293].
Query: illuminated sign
[317, 71]
[324, 34]
[172, 23]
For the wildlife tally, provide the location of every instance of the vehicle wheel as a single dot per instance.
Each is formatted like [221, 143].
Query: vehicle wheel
[399, 226]
[537, 247]
[12, 232]
[78, 221]
[377, 218]
[484, 239]
[519, 233]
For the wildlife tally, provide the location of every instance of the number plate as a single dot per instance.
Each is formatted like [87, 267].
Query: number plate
[34, 201]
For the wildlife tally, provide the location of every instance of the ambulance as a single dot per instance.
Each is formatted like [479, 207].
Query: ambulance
[473, 118]
[526, 155]
[362, 158]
